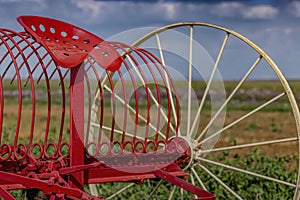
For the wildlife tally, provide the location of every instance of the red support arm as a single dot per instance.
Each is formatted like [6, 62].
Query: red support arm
[5, 194]
[202, 194]
[77, 124]
[46, 186]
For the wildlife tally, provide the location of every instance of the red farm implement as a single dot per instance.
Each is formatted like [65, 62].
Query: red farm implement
[78, 111]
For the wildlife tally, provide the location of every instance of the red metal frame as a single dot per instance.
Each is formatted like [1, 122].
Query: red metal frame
[54, 51]
[202, 194]
[77, 123]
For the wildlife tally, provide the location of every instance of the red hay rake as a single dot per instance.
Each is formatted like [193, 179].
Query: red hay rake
[89, 111]
[53, 51]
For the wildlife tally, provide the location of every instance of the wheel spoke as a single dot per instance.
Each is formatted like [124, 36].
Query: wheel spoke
[230, 96]
[198, 178]
[155, 189]
[116, 131]
[198, 135]
[120, 132]
[150, 92]
[246, 172]
[172, 193]
[190, 82]
[93, 189]
[220, 181]
[92, 134]
[133, 110]
[243, 117]
[193, 182]
[181, 193]
[120, 191]
[209, 82]
[252, 144]
[167, 79]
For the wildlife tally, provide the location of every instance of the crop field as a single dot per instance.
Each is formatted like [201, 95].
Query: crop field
[272, 121]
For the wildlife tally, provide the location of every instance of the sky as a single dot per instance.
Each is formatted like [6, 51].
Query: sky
[272, 24]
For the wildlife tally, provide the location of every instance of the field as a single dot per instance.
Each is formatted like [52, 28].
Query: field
[273, 122]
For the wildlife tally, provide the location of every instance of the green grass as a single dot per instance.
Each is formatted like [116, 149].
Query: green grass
[245, 185]
[250, 187]
[41, 85]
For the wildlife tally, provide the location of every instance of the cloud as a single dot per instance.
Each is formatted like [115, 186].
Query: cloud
[170, 9]
[294, 8]
[21, 1]
[238, 9]
[227, 9]
[9, 1]
[128, 11]
[89, 6]
[260, 12]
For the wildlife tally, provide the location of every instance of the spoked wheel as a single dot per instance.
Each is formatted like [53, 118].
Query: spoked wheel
[243, 131]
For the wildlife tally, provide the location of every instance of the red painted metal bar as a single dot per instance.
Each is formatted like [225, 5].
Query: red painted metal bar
[146, 85]
[140, 74]
[1, 108]
[89, 96]
[5, 194]
[161, 68]
[134, 85]
[16, 57]
[125, 108]
[104, 174]
[156, 60]
[202, 194]
[143, 54]
[158, 97]
[63, 106]
[30, 77]
[74, 169]
[77, 123]
[33, 51]
[18, 124]
[113, 96]
[100, 99]
[47, 187]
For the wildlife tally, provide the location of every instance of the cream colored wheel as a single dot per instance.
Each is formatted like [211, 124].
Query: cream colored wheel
[233, 151]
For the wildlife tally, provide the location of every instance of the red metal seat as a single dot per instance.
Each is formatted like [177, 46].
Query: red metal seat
[70, 45]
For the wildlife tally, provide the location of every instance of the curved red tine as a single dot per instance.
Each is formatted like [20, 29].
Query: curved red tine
[100, 97]
[15, 65]
[172, 84]
[70, 45]
[158, 63]
[125, 109]
[1, 108]
[113, 96]
[89, 107]
[151, 61]
[49, 150]
[5, 152]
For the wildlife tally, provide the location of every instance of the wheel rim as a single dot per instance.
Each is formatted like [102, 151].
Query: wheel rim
[202, 164]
